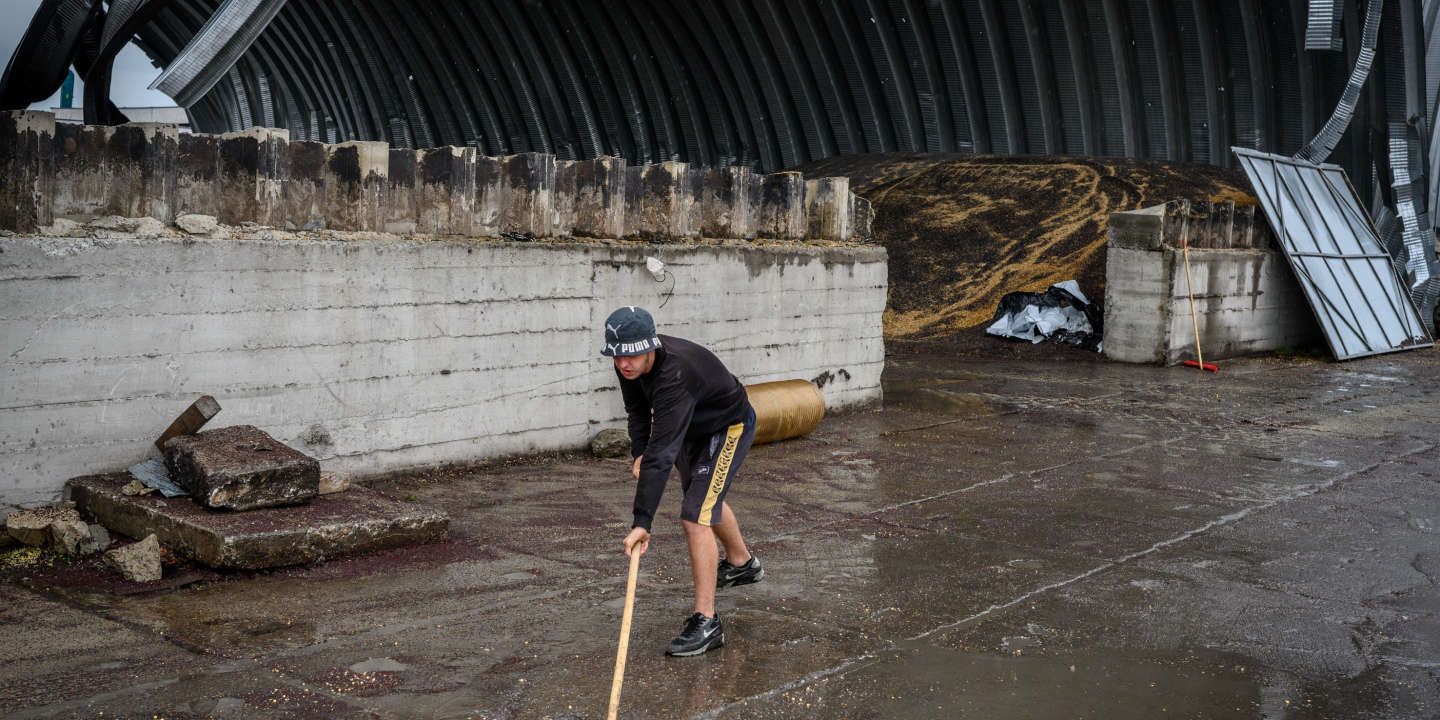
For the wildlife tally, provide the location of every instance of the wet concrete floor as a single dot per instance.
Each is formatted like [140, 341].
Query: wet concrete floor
[1042, 539]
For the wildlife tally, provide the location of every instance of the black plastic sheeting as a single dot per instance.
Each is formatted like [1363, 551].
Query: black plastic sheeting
[766, 83]
[1060, 314]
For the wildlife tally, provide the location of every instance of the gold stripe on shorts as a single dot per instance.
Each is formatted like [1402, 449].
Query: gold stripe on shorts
[722, 469]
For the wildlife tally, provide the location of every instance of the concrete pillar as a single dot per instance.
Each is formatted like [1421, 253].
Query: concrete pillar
[725, 209]
[600, 198]
[782, 206]
[27, 170]
[489, 195]
[827, 209]
[356, 178]
[126, 170]
[401, 209]
[305, 185]
[445, 190]
[528, 194]
[252, 177]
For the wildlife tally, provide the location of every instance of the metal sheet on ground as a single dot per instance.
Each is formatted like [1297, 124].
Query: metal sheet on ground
[1344, 271]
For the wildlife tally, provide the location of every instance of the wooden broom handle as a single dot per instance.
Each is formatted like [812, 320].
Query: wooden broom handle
[624, 633]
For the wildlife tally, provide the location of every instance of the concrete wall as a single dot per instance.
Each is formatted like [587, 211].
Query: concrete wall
[376, 354]
[1246, 296]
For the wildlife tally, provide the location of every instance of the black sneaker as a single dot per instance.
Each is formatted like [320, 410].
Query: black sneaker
[750, 572]
[700, 634]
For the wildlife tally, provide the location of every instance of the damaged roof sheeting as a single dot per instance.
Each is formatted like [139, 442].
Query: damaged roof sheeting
[1345, 273]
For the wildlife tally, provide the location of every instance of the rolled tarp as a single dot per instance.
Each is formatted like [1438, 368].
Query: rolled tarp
[785, 409]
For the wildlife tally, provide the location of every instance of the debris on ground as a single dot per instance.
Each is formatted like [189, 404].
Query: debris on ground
[611, 443]
[56, 527]
[1060, 314]
[332, 482]
[135, 487]
[139, 561]
[150, 476]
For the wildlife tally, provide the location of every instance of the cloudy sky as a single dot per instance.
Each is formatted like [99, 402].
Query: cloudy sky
[133, 71]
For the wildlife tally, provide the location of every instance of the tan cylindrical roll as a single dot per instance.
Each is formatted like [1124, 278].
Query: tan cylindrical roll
[785, 409]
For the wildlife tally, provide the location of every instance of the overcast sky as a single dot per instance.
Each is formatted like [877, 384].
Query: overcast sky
[133, 71]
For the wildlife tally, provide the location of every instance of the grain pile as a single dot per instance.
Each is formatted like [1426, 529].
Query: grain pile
[964, 230]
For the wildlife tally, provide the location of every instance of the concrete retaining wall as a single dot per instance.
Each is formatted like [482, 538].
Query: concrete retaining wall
[1246, 296]
[259, 176]
[374, 355]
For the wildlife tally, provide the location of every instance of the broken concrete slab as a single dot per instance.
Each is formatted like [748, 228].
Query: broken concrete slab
[241, 468]
[72, 537]
[35, 526]
[139, 561]
[357, 521]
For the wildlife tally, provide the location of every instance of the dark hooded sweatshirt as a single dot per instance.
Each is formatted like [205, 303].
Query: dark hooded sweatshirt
[687, 395]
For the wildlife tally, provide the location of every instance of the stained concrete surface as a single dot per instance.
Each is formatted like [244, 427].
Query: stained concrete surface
[1006, 539]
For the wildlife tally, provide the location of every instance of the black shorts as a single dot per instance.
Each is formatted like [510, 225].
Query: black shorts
[707, 467]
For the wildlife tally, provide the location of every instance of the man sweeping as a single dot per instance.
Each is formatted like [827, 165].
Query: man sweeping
[685, 411]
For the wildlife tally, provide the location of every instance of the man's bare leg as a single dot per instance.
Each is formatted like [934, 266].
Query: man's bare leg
[704, 558]
[728, 532]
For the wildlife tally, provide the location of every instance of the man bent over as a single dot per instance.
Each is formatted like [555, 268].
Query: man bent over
[685, 411]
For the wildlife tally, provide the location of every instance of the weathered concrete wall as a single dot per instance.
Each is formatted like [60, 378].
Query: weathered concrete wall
[260, 176]
[385, 353]
[1246, 296]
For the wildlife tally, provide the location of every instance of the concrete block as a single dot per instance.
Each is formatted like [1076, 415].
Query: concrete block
[489, 195]
[445, 190]
[725, 209]
[241, 468]
[356, 179]
[781, 214]
[634, 193]
[252, 177]
[563, 222]
[862, 217]
[599, 206]
[359, 520]
[27, 170]
[305, 178]
[197, 174]
[665, 201]
[401, 209]
[827, 209]
[1137, 229]
[528, 194]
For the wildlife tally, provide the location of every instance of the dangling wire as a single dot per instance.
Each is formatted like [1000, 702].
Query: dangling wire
[671, 291]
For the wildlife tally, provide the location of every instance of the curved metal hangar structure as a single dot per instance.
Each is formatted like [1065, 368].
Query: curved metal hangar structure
[773, 83]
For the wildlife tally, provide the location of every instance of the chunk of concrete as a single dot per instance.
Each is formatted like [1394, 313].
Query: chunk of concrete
[333, 482]
[241, 468]
[197, 224]
[138, 562]
[72, 536]
[33, 526]
[357, 521]
[611, 443]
